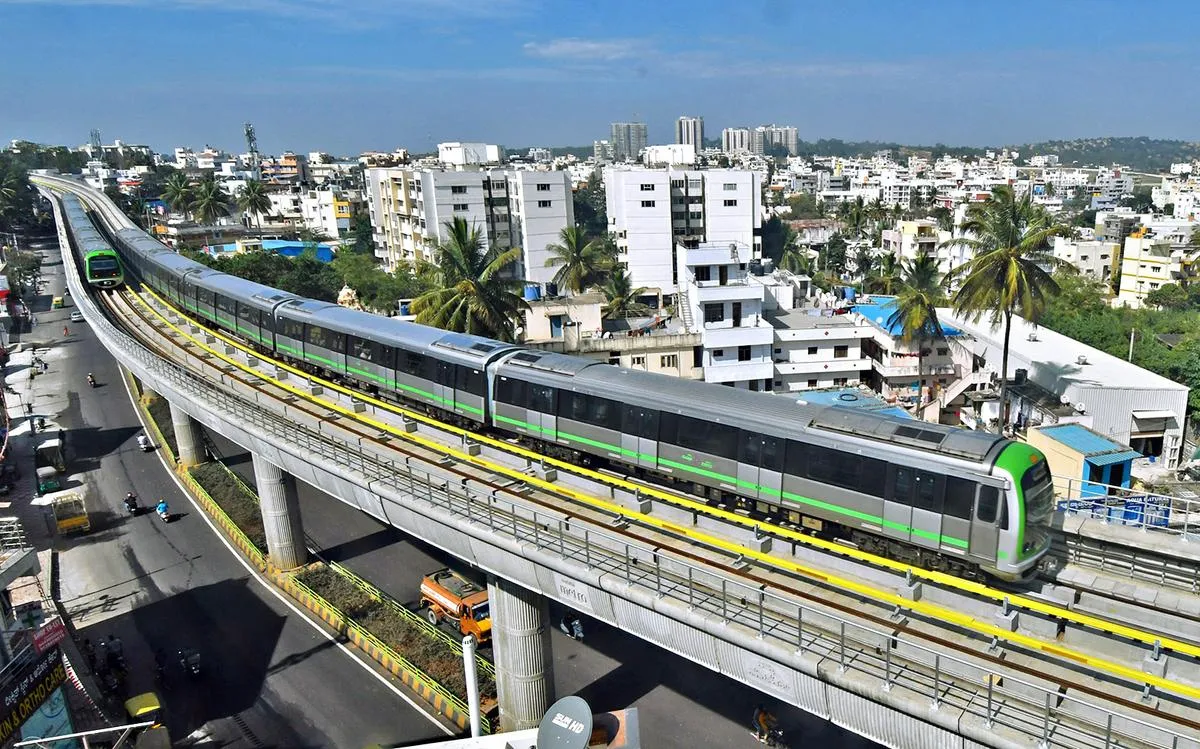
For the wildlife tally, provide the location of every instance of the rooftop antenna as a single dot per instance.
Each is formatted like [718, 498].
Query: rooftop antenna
[252, 146]
[97, 148]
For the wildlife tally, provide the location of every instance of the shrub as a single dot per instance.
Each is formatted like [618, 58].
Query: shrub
[229, 494]
[160, 411]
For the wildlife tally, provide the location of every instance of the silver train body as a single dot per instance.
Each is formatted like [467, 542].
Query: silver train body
[939, 496]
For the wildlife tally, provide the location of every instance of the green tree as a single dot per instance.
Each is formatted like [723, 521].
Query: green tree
[472, 297]
[944, 217]
[254, 200]
[24, 271]
[581, 262]
[362, 233]
[854, 217]
[16, 196]
[887, 276]
[591, 208]
[1010, 237]
[921, 293]
[209, 200]
[864, 263]
[806, 205]
[1140, 201]
[309, 277]
[177, 193]
[1168, 296]
[622, 296]
[833, 258]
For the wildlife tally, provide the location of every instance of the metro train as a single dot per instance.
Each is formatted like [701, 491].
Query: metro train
[969, 503]
[102, 266]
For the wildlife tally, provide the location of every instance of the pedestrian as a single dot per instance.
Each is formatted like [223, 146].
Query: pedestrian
[66, 331]
[89, 652]
[33, 320]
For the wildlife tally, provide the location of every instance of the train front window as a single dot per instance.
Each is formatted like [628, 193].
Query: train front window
[104, 267]
[1038, 489]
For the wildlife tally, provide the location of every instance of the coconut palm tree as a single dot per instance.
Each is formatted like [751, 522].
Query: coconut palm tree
[864, 262]
[209, 201]
[253, 199]
[1009, 274]
[622, 297]
[921, 293]
[854, 217]
[471, 296]
[888, 272]
[581, 262]
[177, 192]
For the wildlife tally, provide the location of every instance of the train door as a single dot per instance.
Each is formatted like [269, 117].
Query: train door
[897, 502]
[760, 466]
[928, 499]
[443, 388]
[542, 409]
[985, 531]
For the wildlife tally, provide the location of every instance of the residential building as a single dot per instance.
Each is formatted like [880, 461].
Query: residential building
[1084, 462]
[1109, 187]
[469, 154]
[910, 372]
[1150, 261]
[1126, 403]
[540, 155]
[815, 349]
[910, 239]
[410, 209]
[690, 131]
[766, 137]
[1094, 258]
[628, 139]
[719, 299]
[574, 325]
[602, 150]
[736, 140]
[286, 167]
[653, 210]
[674, 154]
[329, 211]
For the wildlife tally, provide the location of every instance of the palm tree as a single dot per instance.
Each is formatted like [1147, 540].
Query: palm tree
[877, 213]
[177, 192]
[253, 199]
[854, 217]
[797, 260]
[582, 262]
[622, 297]
[888, 273]
[210, 201]
[1008, 276]
[921, 293]
[864, 262]
[471, 296]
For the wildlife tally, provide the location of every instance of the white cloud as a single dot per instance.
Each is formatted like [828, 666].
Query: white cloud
[585, 50]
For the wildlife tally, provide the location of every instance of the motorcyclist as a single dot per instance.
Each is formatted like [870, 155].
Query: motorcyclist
[764, 721]
[91, 380]
[143, 441]
[162, 508]
[131, 503]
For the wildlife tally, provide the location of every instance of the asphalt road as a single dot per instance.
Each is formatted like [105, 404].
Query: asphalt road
[681, 705]
[269, 678]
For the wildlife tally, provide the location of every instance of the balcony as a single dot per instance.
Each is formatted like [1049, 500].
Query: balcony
[737, 290]
[726, 336]
[822, 366]
[738, 371]
[912, 370]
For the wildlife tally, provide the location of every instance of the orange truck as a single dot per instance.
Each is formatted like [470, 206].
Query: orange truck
[445, 594]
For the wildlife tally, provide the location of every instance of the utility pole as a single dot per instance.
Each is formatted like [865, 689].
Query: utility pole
[1131, 332]
[252, 146]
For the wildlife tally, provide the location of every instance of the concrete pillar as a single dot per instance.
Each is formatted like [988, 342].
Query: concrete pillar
[187, 437]
[521, 641]
[280, 509]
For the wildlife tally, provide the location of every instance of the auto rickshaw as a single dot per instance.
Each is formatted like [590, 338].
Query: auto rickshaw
[146, 708]
[48, 480]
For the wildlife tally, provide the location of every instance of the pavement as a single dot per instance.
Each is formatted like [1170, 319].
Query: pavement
[270, 676]
[681, 705]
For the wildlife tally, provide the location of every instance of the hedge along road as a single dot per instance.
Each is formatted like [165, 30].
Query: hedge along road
[269, 678]
[682, 705]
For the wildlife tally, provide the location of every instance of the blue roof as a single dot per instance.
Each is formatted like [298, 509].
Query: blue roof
[879, 310]
[1093, 446]
[849, 398]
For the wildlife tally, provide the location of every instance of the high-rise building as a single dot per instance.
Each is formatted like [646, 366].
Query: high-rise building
[628, 139]
[410, 209]
[736, 140]
[652, 210]
[766, 137]
[690, 131]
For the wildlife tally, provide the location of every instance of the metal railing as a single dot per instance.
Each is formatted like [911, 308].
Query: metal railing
[1179, 516]
[1038, 711]
[12, 535]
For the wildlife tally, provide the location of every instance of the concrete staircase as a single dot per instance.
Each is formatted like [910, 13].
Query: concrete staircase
[17, 557]
[933, 409]
[684, 308]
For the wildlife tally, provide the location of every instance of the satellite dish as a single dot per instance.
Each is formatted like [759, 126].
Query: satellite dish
[566, 725]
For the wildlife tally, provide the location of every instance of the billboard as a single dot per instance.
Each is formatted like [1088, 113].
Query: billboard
[25, 690]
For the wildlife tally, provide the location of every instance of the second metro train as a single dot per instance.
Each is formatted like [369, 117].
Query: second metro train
[941, 497]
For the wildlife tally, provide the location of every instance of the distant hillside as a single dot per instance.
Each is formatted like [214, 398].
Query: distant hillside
[1140, 153]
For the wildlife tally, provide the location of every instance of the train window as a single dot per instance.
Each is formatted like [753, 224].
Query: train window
[225, 304]
[901, 484]
[410, 363]
[293, 329]
[361, 348]
[326, 338]
[960, 497]
[708, 437]
[649, 423]
[541, 398]
[750, 448]
[604, 413]
[872, 476]
[445, 374]
[668, 428]
[248, 314]
[468, 380]
[797, 453]
[928, 494]
[989, 504]
[833, 467]
[571, 406]
[384, 356]
[509, 390]
[205, 296]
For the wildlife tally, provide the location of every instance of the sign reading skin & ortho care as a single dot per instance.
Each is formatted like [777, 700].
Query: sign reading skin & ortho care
[28, 688]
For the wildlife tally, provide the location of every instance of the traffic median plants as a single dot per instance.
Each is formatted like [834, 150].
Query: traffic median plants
[234, 498]
[160, 410]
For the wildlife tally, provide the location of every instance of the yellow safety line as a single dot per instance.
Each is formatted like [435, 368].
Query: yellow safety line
[940, 578]
[939, 612]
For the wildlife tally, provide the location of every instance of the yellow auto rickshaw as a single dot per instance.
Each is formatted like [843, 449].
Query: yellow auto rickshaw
[146, 708]
[57, 303]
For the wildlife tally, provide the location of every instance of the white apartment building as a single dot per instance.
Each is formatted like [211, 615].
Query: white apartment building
[410, 209]
[720, 300]
[1151, 261]
[467, 154]
[690, 131]
[1109, 186]
[628, 139]
[328, 211]
[652, 211]
[1093, 258]
[736, 140]
[674, 154]
[768, 136]
[814, 349]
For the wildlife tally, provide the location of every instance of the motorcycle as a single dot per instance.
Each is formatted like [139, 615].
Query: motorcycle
[572, 627]
[131, 504]
[163, 513]
[774, 739]
[189, 661]
[144, 443]
[91, 381]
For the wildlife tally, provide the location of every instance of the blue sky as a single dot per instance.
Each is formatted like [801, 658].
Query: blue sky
[376, 74]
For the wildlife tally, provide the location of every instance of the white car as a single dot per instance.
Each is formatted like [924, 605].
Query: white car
[77, 316]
